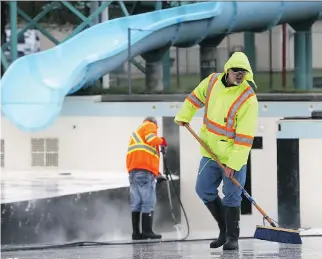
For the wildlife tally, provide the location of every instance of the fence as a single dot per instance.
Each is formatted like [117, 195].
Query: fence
[273, 72]
[185, 62]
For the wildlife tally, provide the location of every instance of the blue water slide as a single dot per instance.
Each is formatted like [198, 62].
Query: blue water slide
[34, 86]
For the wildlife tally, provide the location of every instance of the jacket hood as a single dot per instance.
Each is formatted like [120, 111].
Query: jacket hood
[240, 60]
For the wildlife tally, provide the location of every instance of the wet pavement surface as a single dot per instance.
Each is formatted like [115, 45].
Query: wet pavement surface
[30, 185]
[249, 248]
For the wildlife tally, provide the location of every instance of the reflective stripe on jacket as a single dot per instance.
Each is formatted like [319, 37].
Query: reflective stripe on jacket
[230, 114]
[143, 151]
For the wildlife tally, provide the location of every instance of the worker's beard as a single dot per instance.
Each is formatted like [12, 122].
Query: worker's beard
[239, 80]
[237, 83]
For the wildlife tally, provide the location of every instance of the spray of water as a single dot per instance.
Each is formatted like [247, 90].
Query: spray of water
[100, 220]
[66, 219]
[73, 218]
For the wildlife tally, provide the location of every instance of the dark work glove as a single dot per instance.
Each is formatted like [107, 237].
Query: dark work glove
[164, 142]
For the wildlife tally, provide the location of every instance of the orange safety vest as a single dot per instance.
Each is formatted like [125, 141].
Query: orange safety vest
[140, 154]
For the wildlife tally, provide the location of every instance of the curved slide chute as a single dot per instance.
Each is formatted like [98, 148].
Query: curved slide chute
[34, 86]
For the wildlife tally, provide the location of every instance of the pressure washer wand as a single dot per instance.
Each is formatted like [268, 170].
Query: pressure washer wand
[165, 166]
[166, 172]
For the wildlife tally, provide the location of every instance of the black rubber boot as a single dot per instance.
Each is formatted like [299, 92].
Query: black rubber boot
[147, 222]
[217, 211]
[232, 217]
[136, 235]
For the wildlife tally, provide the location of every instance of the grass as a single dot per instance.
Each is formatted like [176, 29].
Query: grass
[266, 83]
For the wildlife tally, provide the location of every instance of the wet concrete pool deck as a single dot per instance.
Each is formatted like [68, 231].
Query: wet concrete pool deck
[28, 186]
[249, 248]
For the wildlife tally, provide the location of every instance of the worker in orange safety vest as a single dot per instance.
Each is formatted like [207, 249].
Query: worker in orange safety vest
[143, 161]
[229, 124]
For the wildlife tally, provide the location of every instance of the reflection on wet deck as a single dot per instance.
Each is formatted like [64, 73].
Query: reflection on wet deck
[249, 248]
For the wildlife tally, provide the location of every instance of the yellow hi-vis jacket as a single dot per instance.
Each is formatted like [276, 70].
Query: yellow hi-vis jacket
[230, 114]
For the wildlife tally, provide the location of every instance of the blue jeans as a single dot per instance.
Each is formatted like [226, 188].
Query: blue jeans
[209, 178]
[142, 191]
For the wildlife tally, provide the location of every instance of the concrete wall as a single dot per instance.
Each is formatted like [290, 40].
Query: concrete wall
[98, 143]
[310, 180]
[85, 147]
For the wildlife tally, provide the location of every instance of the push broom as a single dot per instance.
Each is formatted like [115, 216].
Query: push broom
[268, 233]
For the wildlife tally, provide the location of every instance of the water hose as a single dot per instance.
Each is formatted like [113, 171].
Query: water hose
[169, 177]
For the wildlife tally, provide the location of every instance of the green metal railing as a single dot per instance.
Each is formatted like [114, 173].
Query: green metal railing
[32, 23]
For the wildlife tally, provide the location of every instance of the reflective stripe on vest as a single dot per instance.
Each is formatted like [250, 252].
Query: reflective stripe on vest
[228, 130]
[244, 140]
[195, 100]
[214, 126]
[218, 129]
[150, 137]
[247, 93]
[141, 146]
[136, 137]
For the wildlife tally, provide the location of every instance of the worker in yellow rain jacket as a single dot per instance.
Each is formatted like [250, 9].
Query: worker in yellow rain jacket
[229, 123]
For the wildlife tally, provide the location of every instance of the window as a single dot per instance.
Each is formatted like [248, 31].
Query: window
[2, 152]
[44, 152]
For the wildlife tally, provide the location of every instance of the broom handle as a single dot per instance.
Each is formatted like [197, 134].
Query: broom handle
[232, 178]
